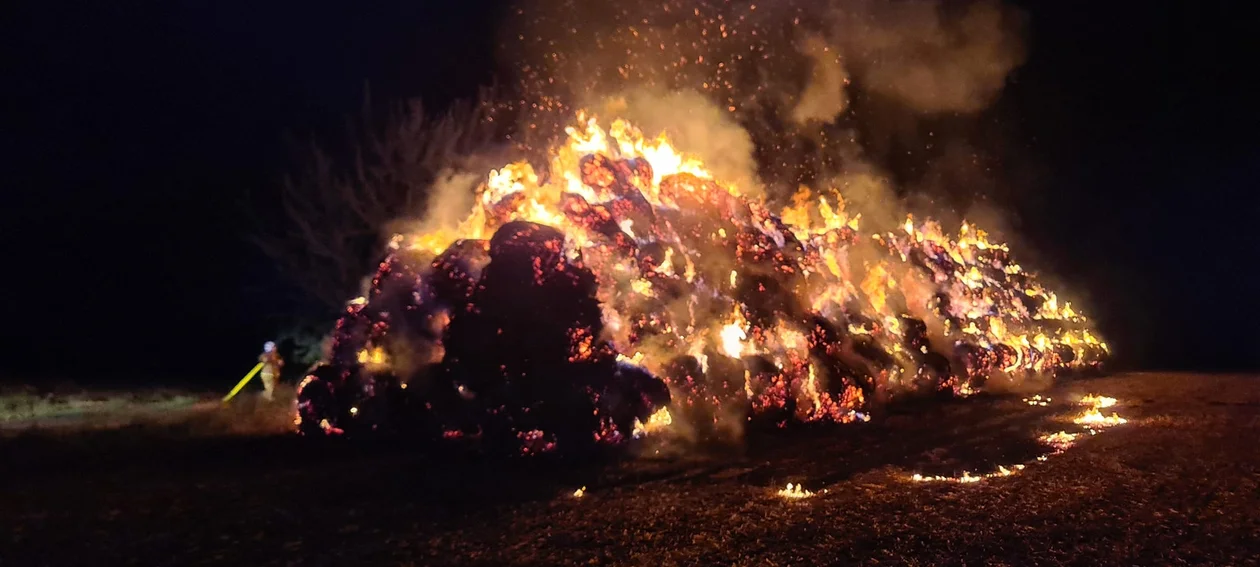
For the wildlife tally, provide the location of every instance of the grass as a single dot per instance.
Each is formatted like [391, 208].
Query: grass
[25, 411]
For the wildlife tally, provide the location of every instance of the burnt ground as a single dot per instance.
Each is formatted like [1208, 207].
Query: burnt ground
[1180, 483]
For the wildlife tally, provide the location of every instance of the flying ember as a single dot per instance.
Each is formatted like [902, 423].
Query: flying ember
[621, 289]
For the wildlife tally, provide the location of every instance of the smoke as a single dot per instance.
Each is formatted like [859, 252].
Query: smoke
[449, 200]
[869, 192]
[694, 125]
[806, 80]
[788, 93]
[926, 56]
[824, 97]
[922, 55]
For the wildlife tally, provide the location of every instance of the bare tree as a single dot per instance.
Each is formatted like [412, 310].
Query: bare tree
[333, 218]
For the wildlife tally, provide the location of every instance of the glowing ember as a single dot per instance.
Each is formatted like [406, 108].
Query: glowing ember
[579, 492]
[535, 442]
[1037, 401]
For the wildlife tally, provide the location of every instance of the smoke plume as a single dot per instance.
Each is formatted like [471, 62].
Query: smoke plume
[693, 122]
[926, 56]
[824, 97]
[449, 200]
[801, 78]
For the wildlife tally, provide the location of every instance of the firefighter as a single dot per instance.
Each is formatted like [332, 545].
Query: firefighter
[272, 363]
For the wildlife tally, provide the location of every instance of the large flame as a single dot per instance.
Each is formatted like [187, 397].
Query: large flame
[689, 265]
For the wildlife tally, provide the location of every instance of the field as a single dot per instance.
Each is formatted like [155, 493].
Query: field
[1178, 484]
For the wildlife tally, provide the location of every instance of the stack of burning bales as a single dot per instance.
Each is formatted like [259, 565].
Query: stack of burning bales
[624, 290]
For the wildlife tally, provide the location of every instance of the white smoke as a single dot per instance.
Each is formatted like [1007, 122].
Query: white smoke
[824, 97]
[694, 125]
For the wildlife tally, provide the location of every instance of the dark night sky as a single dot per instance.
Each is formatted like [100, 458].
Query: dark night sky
[134, 134]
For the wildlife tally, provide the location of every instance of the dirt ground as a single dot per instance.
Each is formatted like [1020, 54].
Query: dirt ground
[1178, 484]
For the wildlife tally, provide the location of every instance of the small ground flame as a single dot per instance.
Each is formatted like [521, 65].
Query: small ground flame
[1093, 417]
[1093, 421]
[795, 492]
[579, 492]
[968, 478]
[1060, 441]
[1098, 401]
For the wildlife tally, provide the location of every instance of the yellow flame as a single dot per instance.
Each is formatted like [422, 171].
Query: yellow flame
[978, 282]
[374, 356]
[1061, 441]
[658, 421]
[1093, 417]
[734, 334]
[968, 478]
[1098, 402]
[795, 492]
[642, 287]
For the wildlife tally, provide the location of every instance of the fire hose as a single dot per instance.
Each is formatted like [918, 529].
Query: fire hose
[242, 383]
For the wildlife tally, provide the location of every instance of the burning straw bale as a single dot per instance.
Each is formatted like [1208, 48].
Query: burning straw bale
[571, 306]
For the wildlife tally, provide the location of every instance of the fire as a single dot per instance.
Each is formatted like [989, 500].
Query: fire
[1098, 402]
[733, 336]
[968, 478]
[374, 356]
[656, 422]
[1093, 416]
[1061, 441]
[702, 288]
[795, 492]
